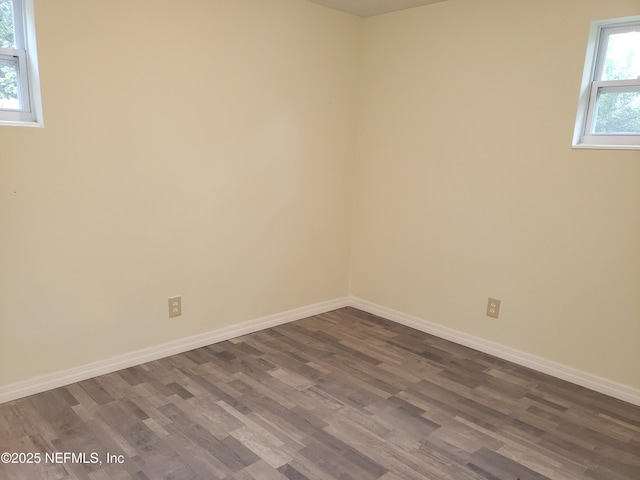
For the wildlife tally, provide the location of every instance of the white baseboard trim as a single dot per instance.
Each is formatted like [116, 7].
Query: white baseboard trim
[65, 377]
[59, 379]
[578, 377]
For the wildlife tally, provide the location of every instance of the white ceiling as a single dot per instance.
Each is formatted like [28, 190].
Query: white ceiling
[368, 8]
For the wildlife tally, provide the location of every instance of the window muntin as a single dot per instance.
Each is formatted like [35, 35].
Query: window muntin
[19, 84]
[609, 115]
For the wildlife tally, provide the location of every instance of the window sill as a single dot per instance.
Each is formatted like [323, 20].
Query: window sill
[585, 146]
[17, 123]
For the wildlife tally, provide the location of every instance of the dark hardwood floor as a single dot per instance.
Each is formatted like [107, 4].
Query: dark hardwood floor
[344, 395]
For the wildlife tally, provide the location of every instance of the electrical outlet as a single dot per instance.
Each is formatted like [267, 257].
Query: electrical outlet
[493, 308]
[175, 307]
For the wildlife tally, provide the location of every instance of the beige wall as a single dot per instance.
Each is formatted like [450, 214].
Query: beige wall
[200, 148]
[467, 186]
[209, 152]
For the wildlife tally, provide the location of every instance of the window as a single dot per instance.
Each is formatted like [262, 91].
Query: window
[609, 111]
[19, 84]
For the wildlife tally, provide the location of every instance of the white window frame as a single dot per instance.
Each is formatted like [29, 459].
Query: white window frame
[25, 57]
[592, 87]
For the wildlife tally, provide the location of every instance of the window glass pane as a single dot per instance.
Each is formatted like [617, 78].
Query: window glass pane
[622, 60]
[7, 29]
[617, 113]
[9, 98]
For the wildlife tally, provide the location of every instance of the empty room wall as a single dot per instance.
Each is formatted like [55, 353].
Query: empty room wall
[467, 185]
[201, 148]
[208, 152]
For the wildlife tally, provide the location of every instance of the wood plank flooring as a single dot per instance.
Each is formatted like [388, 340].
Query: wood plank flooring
[344, 395]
